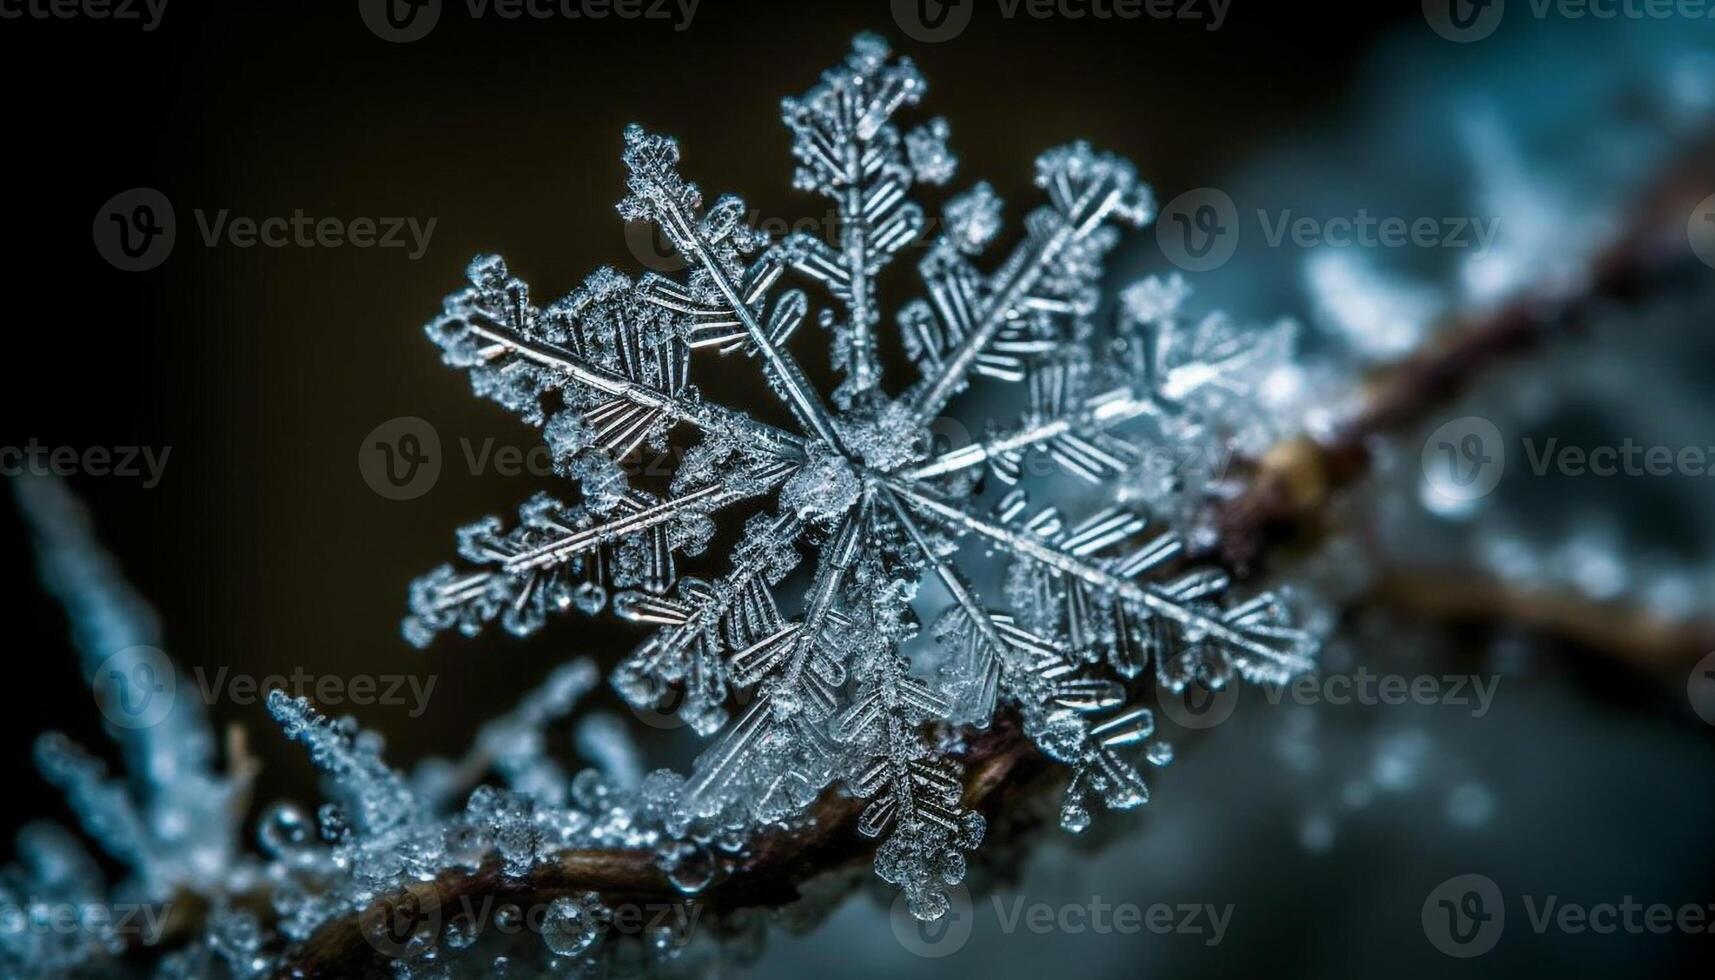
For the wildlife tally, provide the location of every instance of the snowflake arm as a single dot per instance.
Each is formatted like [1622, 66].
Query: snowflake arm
[628, 374]
[908, 789]
[562, 557]
[1264, 650]
[1045, 681]
[848, 150]
[722, 290]
[782, 658]
[1100, 767]
[1074, 437]
[987, 652]
[1051, 270]
[798, 676]
[705, 621]
[1214, 377]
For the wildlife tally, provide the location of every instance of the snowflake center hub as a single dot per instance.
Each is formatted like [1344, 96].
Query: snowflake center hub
[824, 488]
[886, 436]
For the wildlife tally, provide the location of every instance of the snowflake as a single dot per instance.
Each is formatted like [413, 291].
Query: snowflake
[824, 692]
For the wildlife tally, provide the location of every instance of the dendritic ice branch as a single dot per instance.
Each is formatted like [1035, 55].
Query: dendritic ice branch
[819, 677]
[896, 630]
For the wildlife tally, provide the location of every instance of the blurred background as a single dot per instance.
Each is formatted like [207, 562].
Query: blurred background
[1325, 830]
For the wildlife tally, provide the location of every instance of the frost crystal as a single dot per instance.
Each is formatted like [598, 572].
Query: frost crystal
[800, 651]
[792, 653]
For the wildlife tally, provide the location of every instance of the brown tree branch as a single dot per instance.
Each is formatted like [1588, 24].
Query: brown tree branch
[1290, 489]
[999, 763]
[1617, 629]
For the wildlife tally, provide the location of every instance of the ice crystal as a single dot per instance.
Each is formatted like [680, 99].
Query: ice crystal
[813, 687]
[800, 652]
[172, 826]
[573, 925]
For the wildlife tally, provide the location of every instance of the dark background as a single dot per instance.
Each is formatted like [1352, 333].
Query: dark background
[264, 368]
